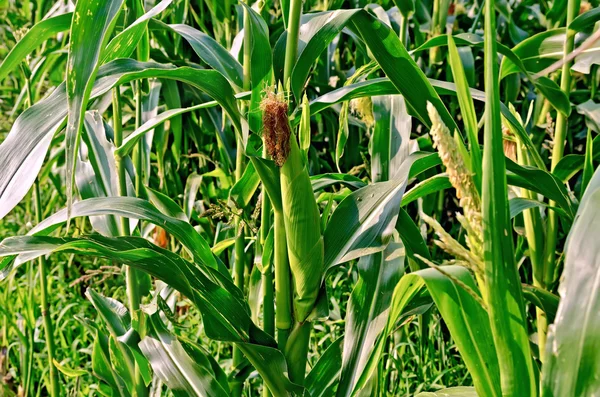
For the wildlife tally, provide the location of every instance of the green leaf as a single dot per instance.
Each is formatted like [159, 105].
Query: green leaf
[269, 176]
[543, 299]
[207, 48]
[102, 368]
[224, 313]
[368, 309]
[125, 43]
[261, 66]
[386, 49]
[383, 86]
[373, 87]
[430, 185]
[390, 142]
[588, 166]
[591, 111]
[459, 391]
[22, 152]
[114, 313]
[586, 20]
[132, 139]
[520, 204]
[540, 181]
[571, 364]
[70, 372]
[93, 22]
[183, 375]
[121, 364]
[547, 87]
[96, 174]
[37, 35]
[315, 36]
[400, 68]
[323, 181]
[543, 49]
[136, 208]
[324, 376]
[406, 7]
[467, 109]
[243, 190]
[503, 289]
[411, 236]
[467, 322]
[363, 222]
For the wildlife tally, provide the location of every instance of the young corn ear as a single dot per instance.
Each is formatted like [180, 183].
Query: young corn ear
[300, 211]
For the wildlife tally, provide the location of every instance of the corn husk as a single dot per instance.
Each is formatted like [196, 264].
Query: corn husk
[301, 214]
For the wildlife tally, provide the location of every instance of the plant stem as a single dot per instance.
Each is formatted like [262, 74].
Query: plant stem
[291, 47]
[267, 276]
[131, 278]
[54, 389]
[296, 347]
[296, 351]
[436, 30]
[559, 146]
[238, 270]
[133, 292]
[534, 234]
[283, 289]
[404, 30]
[120, 162]
[239, 265]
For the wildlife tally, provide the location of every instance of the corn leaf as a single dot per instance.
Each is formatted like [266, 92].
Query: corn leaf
[325, 374]
[571, 354]
[22, 152]
[261, 66]
[368, 310]
[39, 33]
[390, 143]
[459, 391]
[125, 43]
[182, 374]
[503, 296]
[225, 315]
[92, 24]
[363, 222]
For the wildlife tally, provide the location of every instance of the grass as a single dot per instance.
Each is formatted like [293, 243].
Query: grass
[282, 198]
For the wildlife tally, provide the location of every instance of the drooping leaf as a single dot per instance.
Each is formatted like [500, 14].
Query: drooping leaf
[207, 48]
[571, 364]
[22, 152]
[225, 315]
[183, 375]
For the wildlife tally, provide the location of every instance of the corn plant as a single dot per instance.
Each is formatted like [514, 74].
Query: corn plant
[299, 198]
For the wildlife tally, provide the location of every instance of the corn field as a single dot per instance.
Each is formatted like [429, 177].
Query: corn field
[309, 198]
